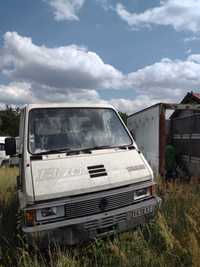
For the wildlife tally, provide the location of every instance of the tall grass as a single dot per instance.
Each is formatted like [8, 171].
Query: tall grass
[171, 239]
[8, 212]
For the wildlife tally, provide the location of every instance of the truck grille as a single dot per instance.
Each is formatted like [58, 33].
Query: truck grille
[105, 222]
[100, 204]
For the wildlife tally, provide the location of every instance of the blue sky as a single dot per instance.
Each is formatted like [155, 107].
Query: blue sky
[130, 53]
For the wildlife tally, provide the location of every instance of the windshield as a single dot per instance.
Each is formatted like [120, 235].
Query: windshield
[75, 129]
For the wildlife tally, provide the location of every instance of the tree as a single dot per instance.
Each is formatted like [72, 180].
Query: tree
[9, 121]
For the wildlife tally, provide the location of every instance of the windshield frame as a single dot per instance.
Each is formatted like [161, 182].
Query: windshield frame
[81, 107]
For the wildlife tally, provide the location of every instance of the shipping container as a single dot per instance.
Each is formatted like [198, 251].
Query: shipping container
[153, 129]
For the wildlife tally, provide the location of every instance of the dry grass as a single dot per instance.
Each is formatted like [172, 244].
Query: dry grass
[172, 239]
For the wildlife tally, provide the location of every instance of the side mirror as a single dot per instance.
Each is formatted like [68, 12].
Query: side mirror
[10, 146]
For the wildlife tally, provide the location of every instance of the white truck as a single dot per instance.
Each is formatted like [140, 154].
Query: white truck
[4, 159]
[81, 174]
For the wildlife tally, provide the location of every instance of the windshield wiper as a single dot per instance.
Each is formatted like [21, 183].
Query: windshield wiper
[54, 151]
[127, 147]
[100, 147]
[109, 147]
[84, 150]
[79, 151]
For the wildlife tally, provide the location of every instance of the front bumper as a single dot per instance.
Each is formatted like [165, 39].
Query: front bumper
[79, 230]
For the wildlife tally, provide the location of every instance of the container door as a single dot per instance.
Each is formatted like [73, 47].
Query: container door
[144, 126]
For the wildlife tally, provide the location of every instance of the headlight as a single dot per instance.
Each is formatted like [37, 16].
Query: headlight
[50, 213]
[142, 193]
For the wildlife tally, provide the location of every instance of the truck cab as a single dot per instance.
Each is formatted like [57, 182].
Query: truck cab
[81, 174]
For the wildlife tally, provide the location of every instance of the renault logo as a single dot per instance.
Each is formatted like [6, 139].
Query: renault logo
[103, 204]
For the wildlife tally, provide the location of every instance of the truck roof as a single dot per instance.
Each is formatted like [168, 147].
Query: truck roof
[68, 105]
[142, 110]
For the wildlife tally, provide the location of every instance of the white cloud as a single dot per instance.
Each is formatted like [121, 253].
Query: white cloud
[180, 14]
[140, 102]
[16, 94]
[20, 93]
[44, 93]
[168, 78]
[188, 51]
[66, 9]
[164, 81]
[64, 67]
[42, 74]
[192, 38]
[72, 73]
[106, 4]
[132, 105]
[194, 58]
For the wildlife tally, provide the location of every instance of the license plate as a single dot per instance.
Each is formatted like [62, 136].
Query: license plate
[142, 211]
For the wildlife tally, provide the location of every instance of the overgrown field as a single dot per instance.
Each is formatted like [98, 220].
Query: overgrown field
[172, 239]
